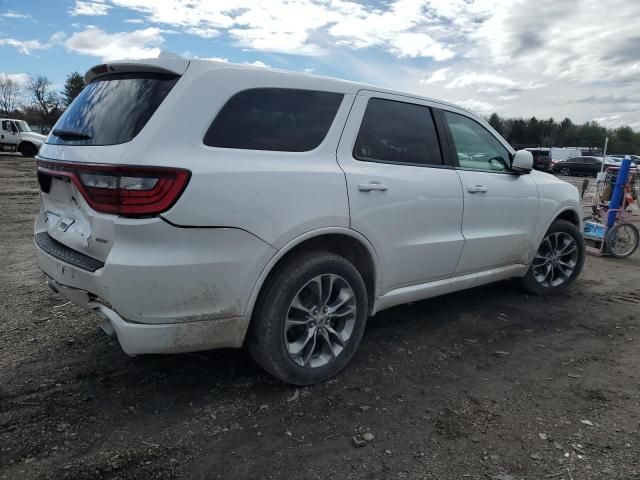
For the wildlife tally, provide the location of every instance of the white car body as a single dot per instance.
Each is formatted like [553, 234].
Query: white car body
[13, 136]
[188, 278]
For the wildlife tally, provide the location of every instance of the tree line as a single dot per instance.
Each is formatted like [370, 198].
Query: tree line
[531, 132]
[36, 101]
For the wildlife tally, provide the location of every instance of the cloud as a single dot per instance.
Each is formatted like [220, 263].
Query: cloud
[476, 106]
[607, 99]
[90, 8]
[93, 41]
[23, 46]
[203, 32]
[14, 15]
[255, 63]
[214, 59]
[438, 76]
[20, 78]
[27, 47]
[405, 28]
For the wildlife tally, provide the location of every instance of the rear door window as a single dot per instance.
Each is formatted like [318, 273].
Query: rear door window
[397, 132]
[112, 109]
[275, 119]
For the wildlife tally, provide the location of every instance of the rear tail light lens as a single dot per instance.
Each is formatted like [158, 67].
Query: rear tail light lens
[126, 190]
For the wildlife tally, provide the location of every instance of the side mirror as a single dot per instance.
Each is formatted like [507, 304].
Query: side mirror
[522, 161]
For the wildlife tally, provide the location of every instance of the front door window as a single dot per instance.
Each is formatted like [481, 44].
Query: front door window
[477, 148]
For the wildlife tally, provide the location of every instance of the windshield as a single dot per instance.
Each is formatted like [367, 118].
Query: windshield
[23, 126]
[112, 109]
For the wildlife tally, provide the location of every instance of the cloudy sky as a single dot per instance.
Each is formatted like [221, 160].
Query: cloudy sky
[559, 58]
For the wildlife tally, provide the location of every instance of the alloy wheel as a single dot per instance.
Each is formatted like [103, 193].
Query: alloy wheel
[320, 321]
[556, 259]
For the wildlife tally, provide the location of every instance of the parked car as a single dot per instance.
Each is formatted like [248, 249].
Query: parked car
[16, 136]
[578, 166]
[541, 158]
[616, 161]
[634, 158]
[283, 210]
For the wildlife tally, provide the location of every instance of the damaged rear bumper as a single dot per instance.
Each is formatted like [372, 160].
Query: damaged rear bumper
[140, 338]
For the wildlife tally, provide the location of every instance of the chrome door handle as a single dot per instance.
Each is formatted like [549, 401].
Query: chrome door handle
[369, 187]
[477, 189]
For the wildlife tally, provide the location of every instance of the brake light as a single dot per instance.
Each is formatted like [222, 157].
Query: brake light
[127, 190]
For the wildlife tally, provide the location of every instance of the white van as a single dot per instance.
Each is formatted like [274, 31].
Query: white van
[561, 153]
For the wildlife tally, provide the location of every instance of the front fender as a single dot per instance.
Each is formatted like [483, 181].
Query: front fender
[548, 215]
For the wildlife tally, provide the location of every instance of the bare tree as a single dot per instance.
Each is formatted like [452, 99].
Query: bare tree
[9, 94]
[46, 100]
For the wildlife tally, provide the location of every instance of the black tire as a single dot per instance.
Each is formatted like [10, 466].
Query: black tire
[534, 286]
[28, 150]
[565, 171]
[267, 338]
[629, 247]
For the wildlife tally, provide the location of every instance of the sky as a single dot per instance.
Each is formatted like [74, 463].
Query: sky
[545, 58]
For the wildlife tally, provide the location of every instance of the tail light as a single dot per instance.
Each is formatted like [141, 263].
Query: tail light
[127, 190]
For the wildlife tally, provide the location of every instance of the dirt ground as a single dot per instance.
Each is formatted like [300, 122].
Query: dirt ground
[487, 383]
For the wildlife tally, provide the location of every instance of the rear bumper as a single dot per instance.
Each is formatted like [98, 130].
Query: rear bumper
[138, 338]
[163, 289]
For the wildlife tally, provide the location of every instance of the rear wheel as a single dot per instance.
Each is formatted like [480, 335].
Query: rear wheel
[565, 171]
[309, 319]
[28, 150]
[558, 261]
[622, 240]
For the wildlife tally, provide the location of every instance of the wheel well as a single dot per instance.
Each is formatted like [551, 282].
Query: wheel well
[22, 144]
[570, 216]
[343, 245]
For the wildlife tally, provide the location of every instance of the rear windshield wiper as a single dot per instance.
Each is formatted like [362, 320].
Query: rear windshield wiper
[70, 134]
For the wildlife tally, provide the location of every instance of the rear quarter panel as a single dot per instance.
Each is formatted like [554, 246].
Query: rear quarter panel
[276, 196]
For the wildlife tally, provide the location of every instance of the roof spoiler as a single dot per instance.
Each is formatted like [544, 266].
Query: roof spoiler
[173, 65]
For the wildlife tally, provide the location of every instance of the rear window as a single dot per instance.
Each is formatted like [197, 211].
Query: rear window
[276, 119]
[112, 109]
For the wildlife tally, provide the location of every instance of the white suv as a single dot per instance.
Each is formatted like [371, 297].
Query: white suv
[197, 205]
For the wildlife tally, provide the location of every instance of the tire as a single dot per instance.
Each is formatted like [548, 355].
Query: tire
[565, 171]
[277, 326]
[622, 240]
[28, 150]
[565, 261]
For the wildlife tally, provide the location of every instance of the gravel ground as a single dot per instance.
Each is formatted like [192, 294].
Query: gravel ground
[487, 383]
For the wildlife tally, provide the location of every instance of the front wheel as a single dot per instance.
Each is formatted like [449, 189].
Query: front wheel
[558, 261]
[309, 319]
[28, 150]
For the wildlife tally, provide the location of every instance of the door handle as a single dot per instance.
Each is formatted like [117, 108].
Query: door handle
[369, 187]
[477, 189]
